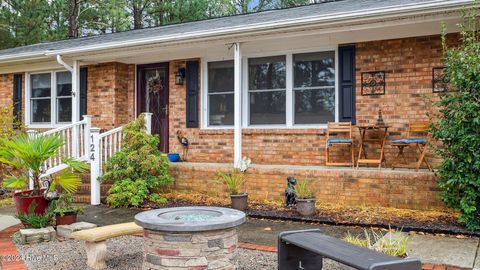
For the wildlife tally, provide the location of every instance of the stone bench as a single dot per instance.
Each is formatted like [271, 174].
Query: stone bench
[95, 241]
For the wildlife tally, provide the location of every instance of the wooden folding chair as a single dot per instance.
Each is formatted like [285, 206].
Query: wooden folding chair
[417, 137]
[336, 128]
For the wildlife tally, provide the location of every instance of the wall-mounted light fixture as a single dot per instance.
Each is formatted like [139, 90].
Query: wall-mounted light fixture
[179, 76]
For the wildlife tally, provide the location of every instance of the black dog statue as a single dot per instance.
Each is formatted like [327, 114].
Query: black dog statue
[290, 193]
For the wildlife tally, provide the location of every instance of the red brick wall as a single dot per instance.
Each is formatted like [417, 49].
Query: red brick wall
[408, 64]
[110, 94]
[400, 189]
[6, 90]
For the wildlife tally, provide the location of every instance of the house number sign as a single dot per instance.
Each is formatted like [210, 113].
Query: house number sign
[92, 149]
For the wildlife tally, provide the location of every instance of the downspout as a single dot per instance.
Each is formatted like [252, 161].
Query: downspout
[61, 62]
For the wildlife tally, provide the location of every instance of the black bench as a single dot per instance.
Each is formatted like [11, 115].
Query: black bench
[306, 249]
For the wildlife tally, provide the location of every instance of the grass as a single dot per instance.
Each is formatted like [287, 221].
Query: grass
[390, 245]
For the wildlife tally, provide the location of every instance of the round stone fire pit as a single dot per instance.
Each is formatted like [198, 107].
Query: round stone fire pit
[190, 237]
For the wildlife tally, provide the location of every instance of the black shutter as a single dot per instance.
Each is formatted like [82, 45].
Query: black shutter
[192, 94]
[347, 83]
[17, 96]
[83, 92]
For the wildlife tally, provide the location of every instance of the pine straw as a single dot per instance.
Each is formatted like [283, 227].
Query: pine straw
[334, 212]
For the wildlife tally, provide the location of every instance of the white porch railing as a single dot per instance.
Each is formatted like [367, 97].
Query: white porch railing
[86, 143]
[102, 147]
[76, 138]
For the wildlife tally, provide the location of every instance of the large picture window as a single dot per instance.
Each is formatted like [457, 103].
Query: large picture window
[267, 90]
[314, 88]
[220, 93]
[291, 90]
[50, 98]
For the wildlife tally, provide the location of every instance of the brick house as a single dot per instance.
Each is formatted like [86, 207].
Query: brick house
[261, 85]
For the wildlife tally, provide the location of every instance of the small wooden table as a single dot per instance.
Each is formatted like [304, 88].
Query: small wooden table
[362, 128]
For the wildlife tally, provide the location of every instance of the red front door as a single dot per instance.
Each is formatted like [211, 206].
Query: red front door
[152, 96]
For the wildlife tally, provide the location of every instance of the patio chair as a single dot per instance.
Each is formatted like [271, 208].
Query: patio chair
[417, 137]
[336, 128]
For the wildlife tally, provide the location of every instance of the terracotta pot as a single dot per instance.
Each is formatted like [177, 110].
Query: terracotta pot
[306, 207]
[66, 219]
[239, 201]
[23, 200]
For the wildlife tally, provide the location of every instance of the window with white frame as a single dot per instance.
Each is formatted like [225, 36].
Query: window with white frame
[220, 93]
[314, 88]
[50, 98]
[295, 89]
[267, 90]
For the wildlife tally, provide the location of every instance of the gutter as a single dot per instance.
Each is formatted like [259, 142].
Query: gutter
[280, 25]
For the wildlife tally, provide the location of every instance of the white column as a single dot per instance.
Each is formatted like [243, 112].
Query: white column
[75, 108]
[76, 91]
[86, 135]
[95, 164]
[148, 122]
[31, 134]
[237, 137]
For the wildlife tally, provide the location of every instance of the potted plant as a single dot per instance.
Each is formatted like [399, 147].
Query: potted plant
[234, 180]
[305, 198]
[65, 211]
[27, 154]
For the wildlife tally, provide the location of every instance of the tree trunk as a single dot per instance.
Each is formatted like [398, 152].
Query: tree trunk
[137, 16]
[73, 9]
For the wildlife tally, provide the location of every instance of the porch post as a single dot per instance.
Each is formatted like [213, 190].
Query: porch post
[86, 135]
[95, 164]
[75, 108]
[237, 138]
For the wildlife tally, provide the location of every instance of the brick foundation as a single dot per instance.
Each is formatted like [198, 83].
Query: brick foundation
[369, 187]
[190, 251]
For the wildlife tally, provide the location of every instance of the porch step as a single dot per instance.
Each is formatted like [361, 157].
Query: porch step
[83, 192]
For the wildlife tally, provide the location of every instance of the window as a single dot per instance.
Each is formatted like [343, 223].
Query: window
[50, 98]
[220, 93]
[41, 98]
[314, 88]
[267, 90]
[64, 97]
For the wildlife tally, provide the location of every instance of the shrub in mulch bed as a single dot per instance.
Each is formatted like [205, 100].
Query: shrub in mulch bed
[436, 222]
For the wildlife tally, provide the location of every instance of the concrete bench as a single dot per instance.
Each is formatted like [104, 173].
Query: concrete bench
[306, 249]
[95, 241]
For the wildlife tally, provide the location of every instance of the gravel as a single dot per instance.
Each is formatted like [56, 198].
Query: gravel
[126, 253]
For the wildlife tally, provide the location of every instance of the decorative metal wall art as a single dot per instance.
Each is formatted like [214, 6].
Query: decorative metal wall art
[373, 83]
[440, 82]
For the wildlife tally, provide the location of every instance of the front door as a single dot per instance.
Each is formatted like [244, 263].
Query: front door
[152, 96]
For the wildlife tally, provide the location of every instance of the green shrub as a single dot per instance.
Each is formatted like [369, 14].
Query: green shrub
[458, 126]
[36, 221]
[138, 170]
[10, 127]
[233, 180]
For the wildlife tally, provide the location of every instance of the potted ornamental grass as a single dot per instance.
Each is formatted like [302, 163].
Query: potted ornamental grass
[65, 212]
[27, 155]
[305, 201]
[234, 179]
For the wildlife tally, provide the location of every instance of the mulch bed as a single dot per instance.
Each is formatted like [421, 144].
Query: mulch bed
[433, 222]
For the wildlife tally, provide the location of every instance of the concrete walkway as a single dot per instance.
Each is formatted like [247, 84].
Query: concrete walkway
[460, 252]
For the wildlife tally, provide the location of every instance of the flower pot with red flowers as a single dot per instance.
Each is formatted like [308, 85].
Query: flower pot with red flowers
[27, 155]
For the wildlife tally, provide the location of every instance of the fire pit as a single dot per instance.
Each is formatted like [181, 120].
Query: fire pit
[190, 237]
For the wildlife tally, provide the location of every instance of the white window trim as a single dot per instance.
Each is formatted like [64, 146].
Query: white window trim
[289, 90]
[53, 100]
